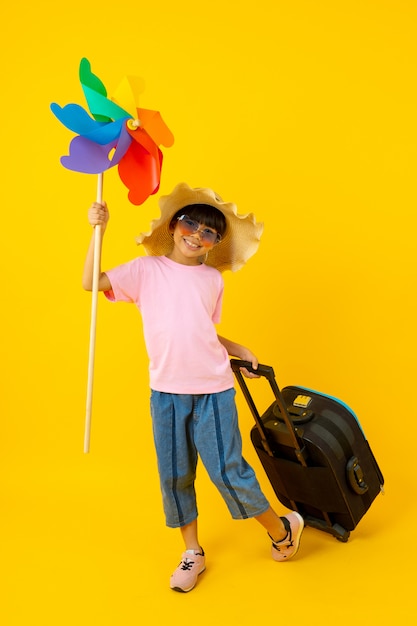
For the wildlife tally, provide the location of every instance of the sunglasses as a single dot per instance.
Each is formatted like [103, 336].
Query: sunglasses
[188, 226]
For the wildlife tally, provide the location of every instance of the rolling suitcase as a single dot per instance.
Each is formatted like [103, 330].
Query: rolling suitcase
[315, 455]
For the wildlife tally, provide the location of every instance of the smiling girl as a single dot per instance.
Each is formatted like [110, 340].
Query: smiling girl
[178, 289]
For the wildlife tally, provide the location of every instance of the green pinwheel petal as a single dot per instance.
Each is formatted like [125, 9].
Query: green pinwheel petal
[101, 108]
[89, 79]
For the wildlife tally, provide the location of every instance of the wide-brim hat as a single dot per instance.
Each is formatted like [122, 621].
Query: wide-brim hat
[238, 244]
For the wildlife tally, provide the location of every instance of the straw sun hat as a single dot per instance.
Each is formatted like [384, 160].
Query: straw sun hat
[238, 244]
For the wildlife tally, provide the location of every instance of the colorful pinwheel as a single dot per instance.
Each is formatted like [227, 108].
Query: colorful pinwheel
[118, 133]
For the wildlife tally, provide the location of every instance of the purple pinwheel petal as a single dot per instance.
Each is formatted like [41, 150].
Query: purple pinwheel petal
[75, 118]
[88, 157]
[123, 144]
[93, 158]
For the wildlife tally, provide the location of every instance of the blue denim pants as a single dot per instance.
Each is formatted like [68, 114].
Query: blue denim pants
[188, 427]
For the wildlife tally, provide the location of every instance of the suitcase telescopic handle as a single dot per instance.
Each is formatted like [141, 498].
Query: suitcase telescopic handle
[268, 372]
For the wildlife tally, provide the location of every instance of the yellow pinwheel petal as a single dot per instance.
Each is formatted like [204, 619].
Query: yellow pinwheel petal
[127, 93]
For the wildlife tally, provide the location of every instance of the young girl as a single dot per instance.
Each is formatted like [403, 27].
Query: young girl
[178, 290]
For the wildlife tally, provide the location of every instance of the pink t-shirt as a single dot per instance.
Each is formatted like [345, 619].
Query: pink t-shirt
[179, 305]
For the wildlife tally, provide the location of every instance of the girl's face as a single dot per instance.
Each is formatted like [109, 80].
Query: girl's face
[192, 241]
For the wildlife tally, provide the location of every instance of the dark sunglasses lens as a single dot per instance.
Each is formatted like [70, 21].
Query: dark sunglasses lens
[189, 227]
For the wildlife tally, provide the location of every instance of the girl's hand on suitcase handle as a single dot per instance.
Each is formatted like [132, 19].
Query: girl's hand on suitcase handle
[249, 363]
[249, 372]
[247, 366]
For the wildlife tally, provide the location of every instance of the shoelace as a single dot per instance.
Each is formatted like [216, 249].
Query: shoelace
[283, 544]
[187, 564]
[287, 542]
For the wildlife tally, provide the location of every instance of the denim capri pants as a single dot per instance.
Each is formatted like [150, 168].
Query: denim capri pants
[187, 427]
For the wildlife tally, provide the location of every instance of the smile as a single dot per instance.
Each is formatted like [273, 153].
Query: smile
[191, 245]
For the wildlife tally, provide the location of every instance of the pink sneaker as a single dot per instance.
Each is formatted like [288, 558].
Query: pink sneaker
[288, 547]
[185, 576]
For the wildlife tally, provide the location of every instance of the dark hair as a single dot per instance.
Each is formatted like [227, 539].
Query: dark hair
[203, 214]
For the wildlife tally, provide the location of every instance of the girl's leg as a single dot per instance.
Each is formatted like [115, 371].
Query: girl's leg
[273, 524]
[219, 443]
[193, 562]
[172, 421]
[190, 536]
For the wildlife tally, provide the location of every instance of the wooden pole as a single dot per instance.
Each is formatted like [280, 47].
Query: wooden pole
[93, 322]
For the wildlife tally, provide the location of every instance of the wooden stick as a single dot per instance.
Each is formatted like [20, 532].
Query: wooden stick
[93, 322]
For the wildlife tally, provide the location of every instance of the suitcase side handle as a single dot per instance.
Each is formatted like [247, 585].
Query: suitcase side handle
[268, 372]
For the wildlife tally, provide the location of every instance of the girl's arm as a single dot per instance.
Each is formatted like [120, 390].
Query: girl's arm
[98, 214]
[239, 351]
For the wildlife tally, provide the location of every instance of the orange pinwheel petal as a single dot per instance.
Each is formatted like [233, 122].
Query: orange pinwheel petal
[155, 126]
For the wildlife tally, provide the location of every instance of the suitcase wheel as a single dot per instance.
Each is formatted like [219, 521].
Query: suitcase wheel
[336, 530]
[340, 533]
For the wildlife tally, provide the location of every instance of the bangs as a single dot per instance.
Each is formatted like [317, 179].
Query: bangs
[204, 214]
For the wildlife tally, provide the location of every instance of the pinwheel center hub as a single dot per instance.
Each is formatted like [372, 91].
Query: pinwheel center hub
[133, 124]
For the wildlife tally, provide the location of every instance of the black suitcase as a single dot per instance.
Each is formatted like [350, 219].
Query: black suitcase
[315, 455]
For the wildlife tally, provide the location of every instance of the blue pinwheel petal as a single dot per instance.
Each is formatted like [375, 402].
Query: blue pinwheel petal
[75, 118]
[107, 133]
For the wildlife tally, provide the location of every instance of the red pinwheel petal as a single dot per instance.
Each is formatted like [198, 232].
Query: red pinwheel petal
[140, 171]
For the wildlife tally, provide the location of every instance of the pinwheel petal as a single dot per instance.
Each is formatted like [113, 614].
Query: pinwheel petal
[102, 108]
[140, 171]
[75, 118]
[89, 79]
[139, 135]
[127, 93]
[155, 126]
[87, 157]
[93, 84]
[106, 133]
[122, 146]
[90, 157]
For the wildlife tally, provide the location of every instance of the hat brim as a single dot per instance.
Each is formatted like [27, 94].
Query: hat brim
[239, 243]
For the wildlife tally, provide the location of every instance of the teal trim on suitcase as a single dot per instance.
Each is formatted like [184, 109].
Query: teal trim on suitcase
[325, 395]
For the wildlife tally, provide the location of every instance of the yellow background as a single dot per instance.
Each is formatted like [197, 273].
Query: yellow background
[303, 112]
